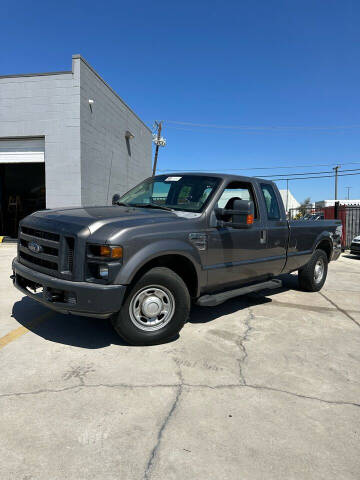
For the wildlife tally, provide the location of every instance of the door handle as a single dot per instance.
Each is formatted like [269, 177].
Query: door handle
[262, 236]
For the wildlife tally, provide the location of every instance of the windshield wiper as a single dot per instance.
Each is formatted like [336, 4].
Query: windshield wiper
[123, 204]
[151, 205]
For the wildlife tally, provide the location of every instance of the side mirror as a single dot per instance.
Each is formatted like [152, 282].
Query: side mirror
[115, 199]
[240, 216]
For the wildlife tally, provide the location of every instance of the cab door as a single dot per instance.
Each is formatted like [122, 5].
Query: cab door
[237, 256]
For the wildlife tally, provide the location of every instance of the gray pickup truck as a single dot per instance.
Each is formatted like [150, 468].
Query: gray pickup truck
[171, 240]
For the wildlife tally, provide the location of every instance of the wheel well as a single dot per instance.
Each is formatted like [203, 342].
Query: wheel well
[178, 264]
[325, 245]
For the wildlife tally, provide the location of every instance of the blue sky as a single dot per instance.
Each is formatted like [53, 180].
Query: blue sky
[259, 63]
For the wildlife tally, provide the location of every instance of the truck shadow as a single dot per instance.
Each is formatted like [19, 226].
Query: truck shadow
[207, 314]
[92, 333]
[83, 332]
[353, 257]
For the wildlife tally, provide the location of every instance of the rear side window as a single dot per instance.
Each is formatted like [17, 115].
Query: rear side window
[272, 205]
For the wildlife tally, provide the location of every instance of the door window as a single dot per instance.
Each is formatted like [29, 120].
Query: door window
[239, 191]
[272, 205]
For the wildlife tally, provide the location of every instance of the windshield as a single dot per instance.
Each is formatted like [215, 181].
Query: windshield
[188, 192]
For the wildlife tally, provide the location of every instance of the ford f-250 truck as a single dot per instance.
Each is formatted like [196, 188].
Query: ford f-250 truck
[171, 240]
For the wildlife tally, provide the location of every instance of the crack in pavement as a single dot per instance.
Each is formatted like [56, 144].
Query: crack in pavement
[180, 387]
[240, 344]
[154, 452]
[88, 385]
[341, 310]
[306, 397]
[150, 462]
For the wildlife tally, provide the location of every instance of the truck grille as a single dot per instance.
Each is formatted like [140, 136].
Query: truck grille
[39, 261]
[47, 252]
[41, 234]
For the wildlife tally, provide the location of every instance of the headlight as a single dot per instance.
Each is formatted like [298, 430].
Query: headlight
[103, 262]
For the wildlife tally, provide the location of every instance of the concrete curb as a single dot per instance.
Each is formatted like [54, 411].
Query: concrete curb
[7, 240]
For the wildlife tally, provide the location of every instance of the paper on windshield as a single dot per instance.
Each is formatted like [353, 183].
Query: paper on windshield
[172, 179]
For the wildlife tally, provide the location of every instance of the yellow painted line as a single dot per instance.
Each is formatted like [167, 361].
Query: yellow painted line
[18, 332]
[1, 239]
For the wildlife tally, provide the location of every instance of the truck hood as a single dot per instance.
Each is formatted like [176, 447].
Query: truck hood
[97, 217]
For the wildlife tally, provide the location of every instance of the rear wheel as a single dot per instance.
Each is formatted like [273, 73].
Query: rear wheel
[313, 275]
[155, 309]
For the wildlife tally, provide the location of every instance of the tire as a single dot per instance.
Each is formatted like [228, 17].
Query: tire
[313, 275]
[155, 309]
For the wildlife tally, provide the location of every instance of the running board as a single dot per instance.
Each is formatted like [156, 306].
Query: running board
[218, 298]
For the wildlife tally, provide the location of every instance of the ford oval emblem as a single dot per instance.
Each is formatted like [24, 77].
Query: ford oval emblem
[35, 247]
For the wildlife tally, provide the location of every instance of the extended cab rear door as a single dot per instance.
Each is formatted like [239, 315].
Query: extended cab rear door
[276, 227]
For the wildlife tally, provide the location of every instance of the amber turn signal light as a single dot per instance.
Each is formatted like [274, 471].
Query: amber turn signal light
[111, 252]
[250, 219]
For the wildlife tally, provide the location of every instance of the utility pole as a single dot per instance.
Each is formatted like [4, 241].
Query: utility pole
[336, 181]
[159, 142]
[287, 195]
[348, 194]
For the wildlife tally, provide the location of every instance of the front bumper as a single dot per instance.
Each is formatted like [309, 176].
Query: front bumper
[78, 298]
[355, 248]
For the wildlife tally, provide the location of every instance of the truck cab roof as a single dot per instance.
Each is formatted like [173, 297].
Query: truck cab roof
[224, 176]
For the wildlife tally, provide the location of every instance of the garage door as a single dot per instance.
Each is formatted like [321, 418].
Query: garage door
[30, 150]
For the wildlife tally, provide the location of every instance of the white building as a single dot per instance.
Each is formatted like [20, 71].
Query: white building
[66, 139]
[289, 200]
[331, 203]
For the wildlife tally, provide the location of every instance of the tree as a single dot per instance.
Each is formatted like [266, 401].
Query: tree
[305, 206]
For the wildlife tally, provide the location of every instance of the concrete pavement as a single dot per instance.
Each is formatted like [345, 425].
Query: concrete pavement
[262, 387]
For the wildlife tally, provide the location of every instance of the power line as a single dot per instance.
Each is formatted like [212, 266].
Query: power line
[320, 176]
[309, 173]
[264, 127]
[305, 173]
[288, 131]
[295, 176]
[267, 168]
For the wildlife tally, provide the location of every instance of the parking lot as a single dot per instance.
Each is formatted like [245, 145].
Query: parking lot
[263, 387]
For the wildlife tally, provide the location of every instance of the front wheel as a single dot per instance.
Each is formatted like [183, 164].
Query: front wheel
[313, 275]
[155, 309]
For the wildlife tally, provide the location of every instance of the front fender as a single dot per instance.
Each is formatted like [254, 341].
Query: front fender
[154, 250]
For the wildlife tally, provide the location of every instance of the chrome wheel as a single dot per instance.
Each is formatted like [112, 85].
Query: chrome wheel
[152, 308]
[319, 270]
